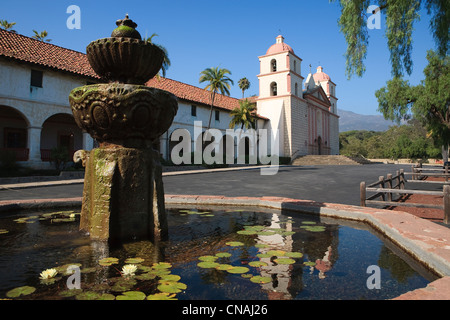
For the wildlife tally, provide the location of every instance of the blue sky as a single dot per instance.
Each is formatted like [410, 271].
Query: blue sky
[231, 34]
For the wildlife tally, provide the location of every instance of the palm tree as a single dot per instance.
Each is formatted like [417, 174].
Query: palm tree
[4, 24]
[243, 115]
[218, 82]
[41, 36]
[166, 61]
[244, 84]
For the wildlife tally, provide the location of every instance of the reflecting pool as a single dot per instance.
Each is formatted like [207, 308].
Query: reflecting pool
[225, 253]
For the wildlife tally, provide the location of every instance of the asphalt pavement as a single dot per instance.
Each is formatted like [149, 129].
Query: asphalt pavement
[338, 184]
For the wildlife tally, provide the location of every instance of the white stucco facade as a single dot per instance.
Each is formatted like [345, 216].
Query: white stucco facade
[305, 118]
[41, 114]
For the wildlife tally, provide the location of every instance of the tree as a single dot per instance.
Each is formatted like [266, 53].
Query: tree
[4, 24]
[428, 102]
[244, 84]
[218, 82]
[166, 61]
[41, 36]
[400, 17]
[243, 115]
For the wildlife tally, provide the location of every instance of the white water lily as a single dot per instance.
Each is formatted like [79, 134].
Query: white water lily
[48, 274]
[129, 270]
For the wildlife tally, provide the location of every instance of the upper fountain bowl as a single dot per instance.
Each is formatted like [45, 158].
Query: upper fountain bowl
[124, 57]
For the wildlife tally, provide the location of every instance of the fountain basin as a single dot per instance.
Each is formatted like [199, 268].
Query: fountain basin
[423, 241]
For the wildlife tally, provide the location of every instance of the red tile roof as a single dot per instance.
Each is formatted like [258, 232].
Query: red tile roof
[25, 49]
[18, 47]
[193, 94]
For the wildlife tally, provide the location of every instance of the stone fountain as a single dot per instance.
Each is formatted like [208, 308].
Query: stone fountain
[123, 196]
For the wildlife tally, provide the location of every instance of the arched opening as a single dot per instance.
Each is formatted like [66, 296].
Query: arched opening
[273, 89]
[13, 133]
[296, 89]
[227, 149]
[273, 65]
[60, 132]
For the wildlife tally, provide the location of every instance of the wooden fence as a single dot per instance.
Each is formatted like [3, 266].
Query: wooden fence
[391, 189]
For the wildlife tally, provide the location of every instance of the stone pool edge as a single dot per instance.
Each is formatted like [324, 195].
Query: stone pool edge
[426, 241]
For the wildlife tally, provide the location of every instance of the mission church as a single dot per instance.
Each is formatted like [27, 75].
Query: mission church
[37, 77]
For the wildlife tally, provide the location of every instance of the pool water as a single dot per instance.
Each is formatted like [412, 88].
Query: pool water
[211, 254]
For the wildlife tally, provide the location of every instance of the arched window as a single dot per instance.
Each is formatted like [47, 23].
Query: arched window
[295, 65]
[296, 89]
[273, 89]
[273, 65]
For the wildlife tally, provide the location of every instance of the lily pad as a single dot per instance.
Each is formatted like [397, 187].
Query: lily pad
[162, 296]
[247, 232]
[260, 279]
[293, 254]
[134, 260]
[224, 267]
[234, 243]
[288, 233]
[108, 261]
[106, 296]
[208, 258]
[309, 263]
[3, 231]
[223, 254]
[261, 245]
[146, 276]
[284, 261]
[278, 253]
[308, 222]
[172, 287]
[257, 264]
[238, 270]
[316, 229]
[132, 295]
[162, 265]
[70, 293]
[263, 255]
[123, 284]
[20, 291]
[170, 277]
[88, 295]
[207, 264]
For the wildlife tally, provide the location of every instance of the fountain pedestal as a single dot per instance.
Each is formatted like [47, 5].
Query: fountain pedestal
[123, 196]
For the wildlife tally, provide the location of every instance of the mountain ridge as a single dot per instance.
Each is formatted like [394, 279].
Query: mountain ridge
[350, 120]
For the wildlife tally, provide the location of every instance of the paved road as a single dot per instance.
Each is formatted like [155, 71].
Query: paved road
[338, 184]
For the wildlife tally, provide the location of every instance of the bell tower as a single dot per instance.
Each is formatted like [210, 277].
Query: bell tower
[280, 90]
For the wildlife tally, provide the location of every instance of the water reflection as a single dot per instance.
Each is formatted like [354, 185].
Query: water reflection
[329, 259]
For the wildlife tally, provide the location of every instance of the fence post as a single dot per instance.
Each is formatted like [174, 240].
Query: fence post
[446, 173]
[389, 186]
[362, 193]
[413, 170]
[447, 204]
[381, 180]
[402, 174]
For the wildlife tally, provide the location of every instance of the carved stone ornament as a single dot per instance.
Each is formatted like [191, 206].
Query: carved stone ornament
[116, 112]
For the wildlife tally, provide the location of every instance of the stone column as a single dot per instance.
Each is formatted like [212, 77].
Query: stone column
[34, 144]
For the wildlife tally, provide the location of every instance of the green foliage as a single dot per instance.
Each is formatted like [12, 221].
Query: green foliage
[428, 102]
[59, 157]
[400, 16]
[244, 84]
[218, 82]
[243, 115]
[406, 141]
